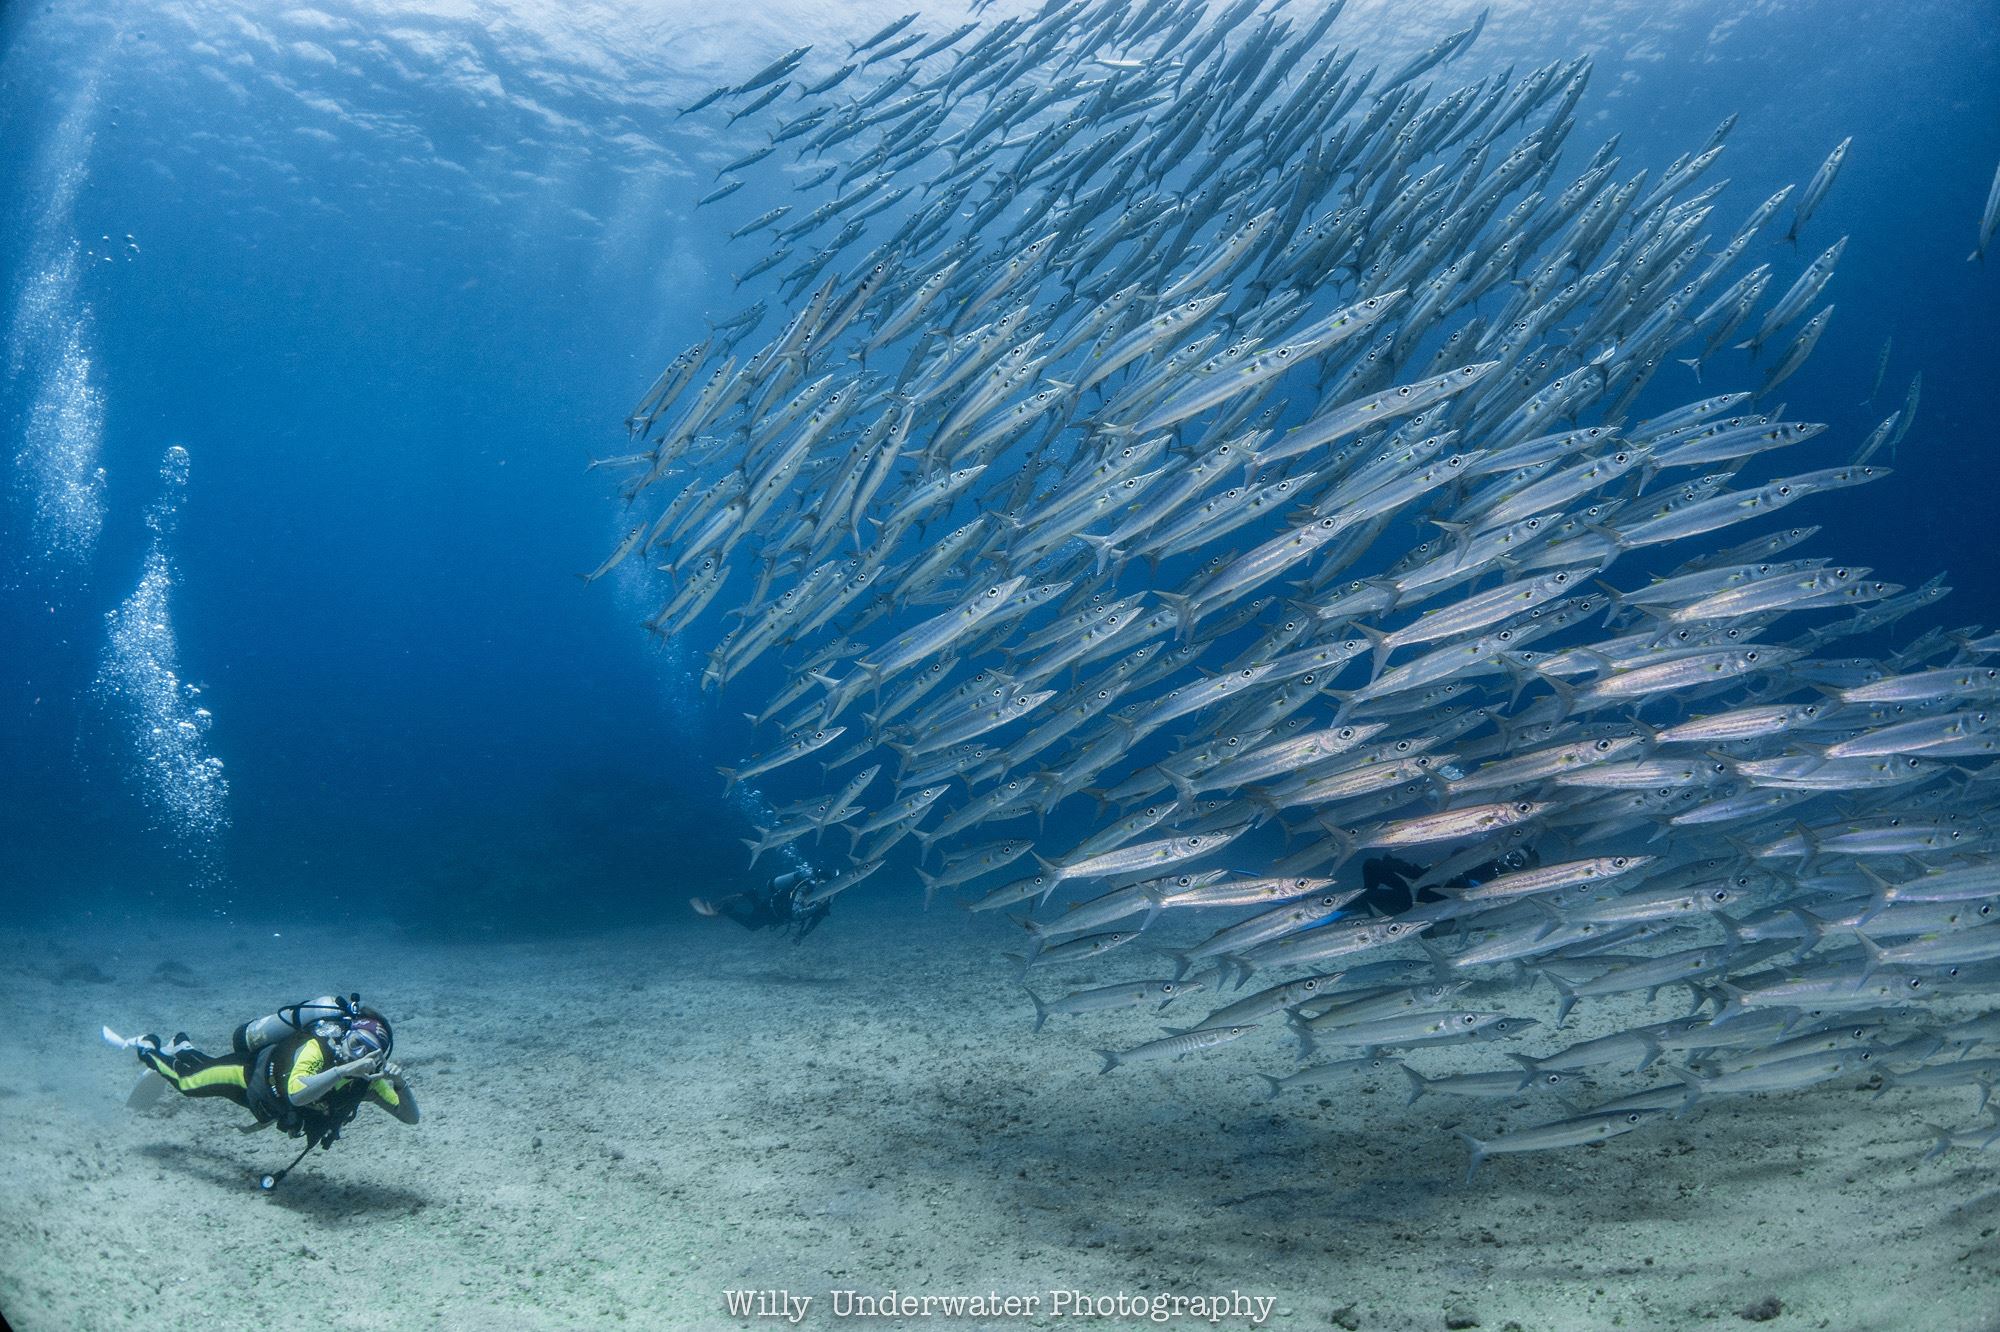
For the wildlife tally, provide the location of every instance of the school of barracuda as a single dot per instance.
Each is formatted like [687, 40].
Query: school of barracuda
[1160, 406]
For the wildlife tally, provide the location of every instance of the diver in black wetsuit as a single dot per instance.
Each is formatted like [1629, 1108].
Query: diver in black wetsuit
[784, 903]
[1385, 880]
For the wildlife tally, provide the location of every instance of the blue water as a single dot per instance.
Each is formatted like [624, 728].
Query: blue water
[394, 274]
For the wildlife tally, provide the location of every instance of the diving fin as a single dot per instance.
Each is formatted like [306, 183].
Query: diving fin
[147, 1092]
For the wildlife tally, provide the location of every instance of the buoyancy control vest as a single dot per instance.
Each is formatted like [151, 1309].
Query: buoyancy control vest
[265, 1084]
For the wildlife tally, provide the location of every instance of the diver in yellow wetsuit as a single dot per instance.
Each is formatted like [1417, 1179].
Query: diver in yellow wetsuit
[306, 1068]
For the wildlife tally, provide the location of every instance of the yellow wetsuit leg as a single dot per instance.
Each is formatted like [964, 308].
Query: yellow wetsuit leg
[193, 1074]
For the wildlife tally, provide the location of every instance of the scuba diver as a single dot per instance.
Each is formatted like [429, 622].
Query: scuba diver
[306, 1068]
[1386, 882]
[784, 903]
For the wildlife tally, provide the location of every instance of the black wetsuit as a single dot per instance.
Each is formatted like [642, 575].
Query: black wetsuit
[1385, 881]
[780, 904]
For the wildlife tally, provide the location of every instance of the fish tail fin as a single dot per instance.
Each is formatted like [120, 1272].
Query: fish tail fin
[1690, 1080]
[1418, 1083]
[1461, 534]
[1382, 650]
[1568, 993]
[728, 779]
[1275, 1086]
[1440, 961]
[1101, 798]
[1609, 534]
[1880, 902]
[1104, 549]
[1564, 691]
[1111, 1061]
[1874, 951]
[1730, 926]
[1478, 1155]
[1182, 606]
[1041, 1009]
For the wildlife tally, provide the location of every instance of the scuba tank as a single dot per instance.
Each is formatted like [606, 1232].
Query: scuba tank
[326, 1017]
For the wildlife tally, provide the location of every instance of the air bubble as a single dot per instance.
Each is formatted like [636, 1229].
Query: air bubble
[140, 678]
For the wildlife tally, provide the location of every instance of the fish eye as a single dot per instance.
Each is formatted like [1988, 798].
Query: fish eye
[1618, 862]
[1750, 656]
[1632, 1117]
[1403, 392]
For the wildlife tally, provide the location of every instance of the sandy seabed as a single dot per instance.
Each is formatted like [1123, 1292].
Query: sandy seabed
[620, 1129]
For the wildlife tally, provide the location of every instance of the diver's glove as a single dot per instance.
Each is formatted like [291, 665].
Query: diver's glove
[368, 1066]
